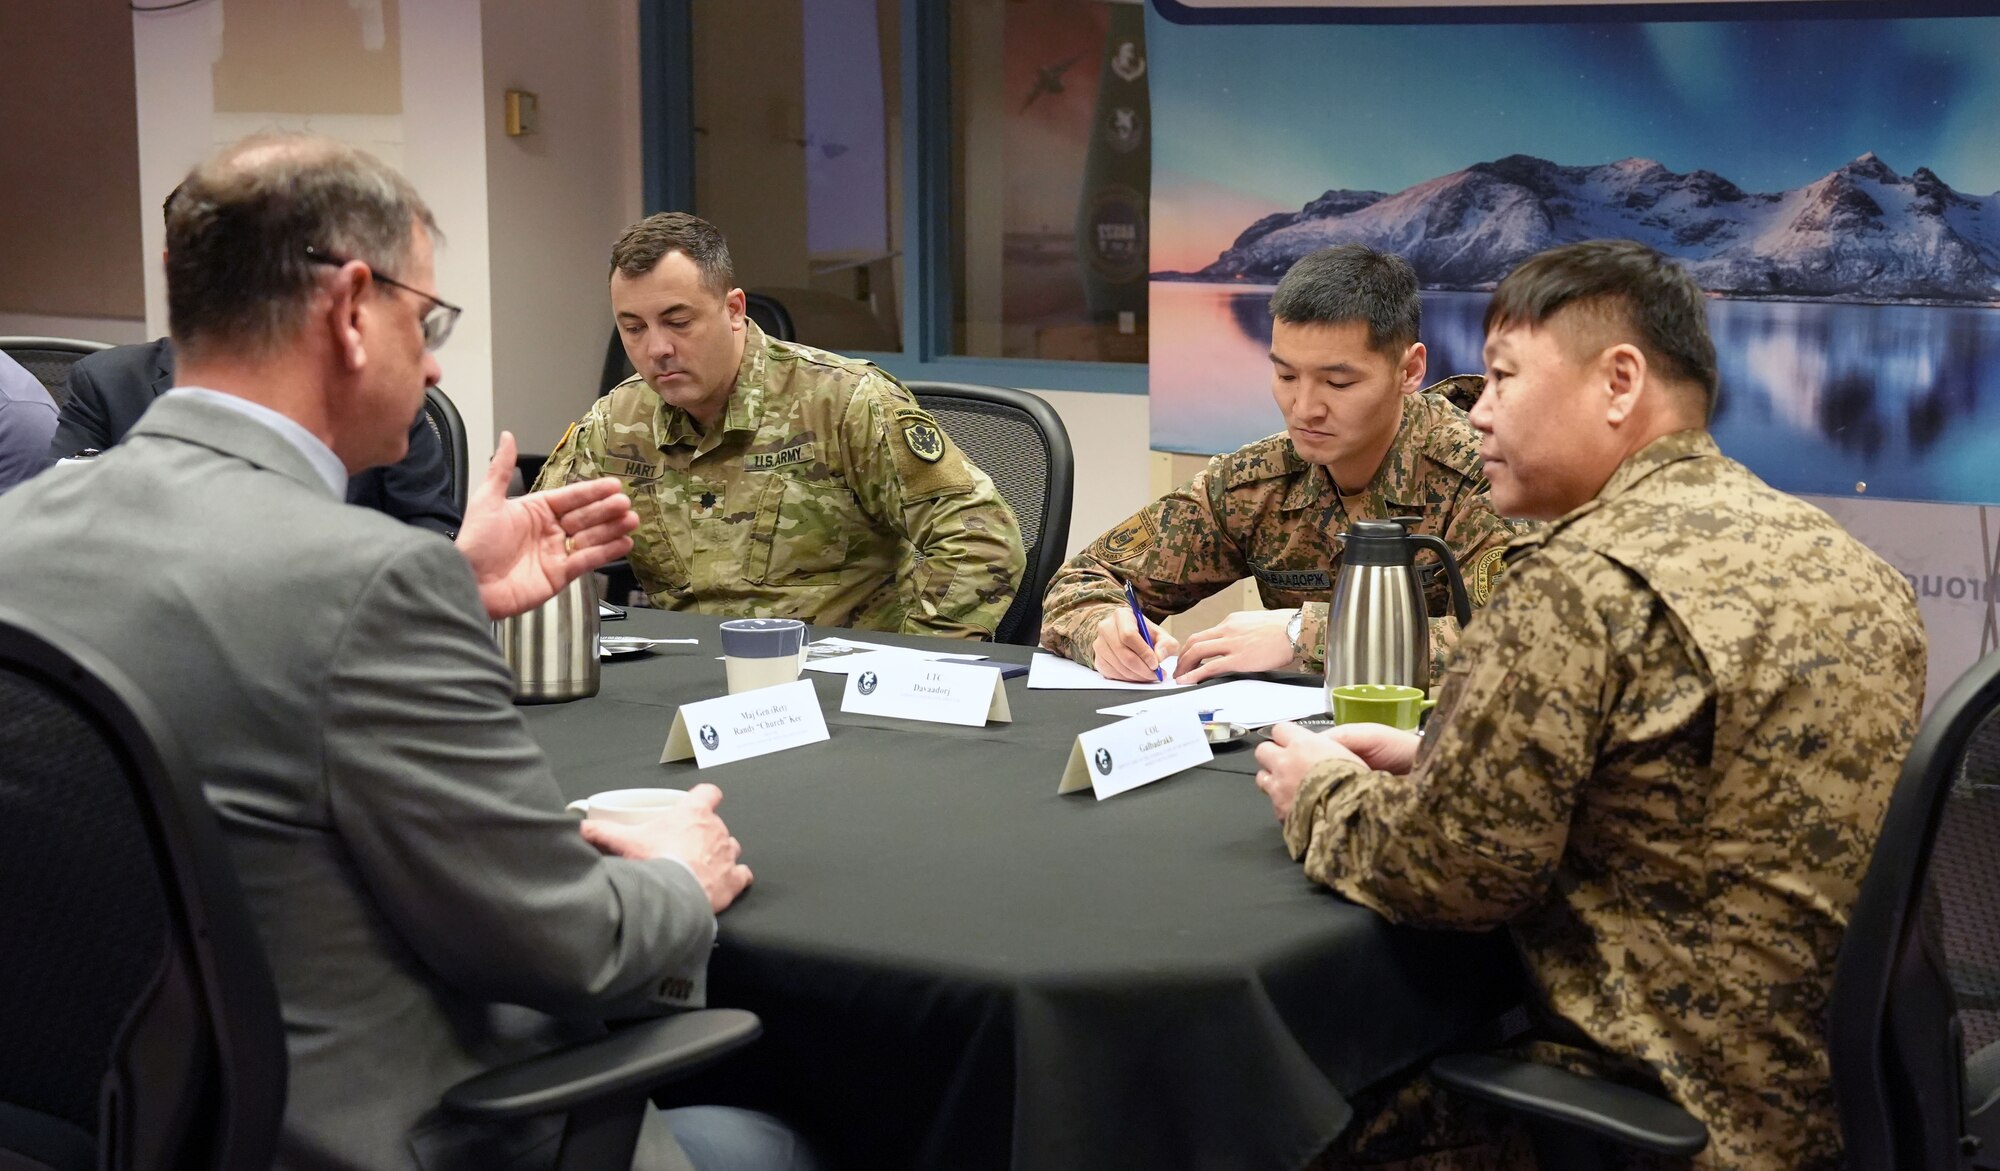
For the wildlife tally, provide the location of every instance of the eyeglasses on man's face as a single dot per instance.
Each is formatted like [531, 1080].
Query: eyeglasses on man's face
[437, 320]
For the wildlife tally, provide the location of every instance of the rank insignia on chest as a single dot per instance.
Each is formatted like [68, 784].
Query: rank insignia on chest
[925, 440]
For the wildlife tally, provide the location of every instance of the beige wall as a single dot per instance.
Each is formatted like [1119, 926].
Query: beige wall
[311, 58]
[196, 67]
[556, 201]
[69, 166]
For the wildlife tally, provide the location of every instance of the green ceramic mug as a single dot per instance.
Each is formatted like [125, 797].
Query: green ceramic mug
[1380, 703]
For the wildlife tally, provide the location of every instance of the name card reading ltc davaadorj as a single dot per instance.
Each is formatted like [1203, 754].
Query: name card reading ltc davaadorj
[747, 724]
[905, 687]
[1135, 752]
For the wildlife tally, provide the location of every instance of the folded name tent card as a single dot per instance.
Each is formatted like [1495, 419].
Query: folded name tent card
[747, 724]
[1134, 752]
[907, 688]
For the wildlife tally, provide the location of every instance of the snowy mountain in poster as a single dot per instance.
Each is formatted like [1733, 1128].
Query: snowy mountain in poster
[1861, 233]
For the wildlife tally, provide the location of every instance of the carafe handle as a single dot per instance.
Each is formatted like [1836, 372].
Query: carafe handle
[1461, 606]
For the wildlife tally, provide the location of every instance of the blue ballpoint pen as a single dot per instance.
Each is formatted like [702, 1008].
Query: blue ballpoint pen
[1132, 600]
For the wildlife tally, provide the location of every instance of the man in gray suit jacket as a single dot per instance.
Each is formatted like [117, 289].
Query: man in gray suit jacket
[428, 909]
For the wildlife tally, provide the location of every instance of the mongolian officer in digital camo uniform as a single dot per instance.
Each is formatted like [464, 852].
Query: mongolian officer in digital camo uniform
[1660, 760]
[778, 480]
[1361, 443]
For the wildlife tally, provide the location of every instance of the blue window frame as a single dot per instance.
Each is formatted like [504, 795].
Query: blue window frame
[666, 68]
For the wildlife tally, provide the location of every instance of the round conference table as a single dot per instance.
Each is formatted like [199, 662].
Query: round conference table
[959, 969]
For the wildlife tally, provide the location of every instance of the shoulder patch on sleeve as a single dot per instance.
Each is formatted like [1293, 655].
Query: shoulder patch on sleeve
[921, 435]
[1127, 539]
[1483, 574]
[930, 466]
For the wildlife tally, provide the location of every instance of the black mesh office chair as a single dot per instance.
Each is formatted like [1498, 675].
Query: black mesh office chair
[49, 359]
[1913, 1028]
[442, 415]
[1915, 1020]
[137, 1013]
[1017, 440]
[768, 312]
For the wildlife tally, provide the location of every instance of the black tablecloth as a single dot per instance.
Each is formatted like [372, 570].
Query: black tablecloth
[959, 969]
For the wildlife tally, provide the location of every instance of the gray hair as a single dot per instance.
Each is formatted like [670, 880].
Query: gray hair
[242, 229]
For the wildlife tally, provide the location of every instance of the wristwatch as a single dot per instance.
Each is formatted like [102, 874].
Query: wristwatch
[1292, 632]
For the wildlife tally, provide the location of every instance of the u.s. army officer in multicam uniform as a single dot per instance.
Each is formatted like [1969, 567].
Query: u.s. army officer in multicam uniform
[775, 480]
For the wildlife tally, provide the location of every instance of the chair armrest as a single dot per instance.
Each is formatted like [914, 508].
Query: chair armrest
[1630, 1117]
[630, 1060]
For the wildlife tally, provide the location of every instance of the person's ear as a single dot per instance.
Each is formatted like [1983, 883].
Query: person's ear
[1625, 374]
[736, 305]
[346, 314]
[1416, 360]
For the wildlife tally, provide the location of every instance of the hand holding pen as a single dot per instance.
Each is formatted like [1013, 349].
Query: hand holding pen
[1145, 629]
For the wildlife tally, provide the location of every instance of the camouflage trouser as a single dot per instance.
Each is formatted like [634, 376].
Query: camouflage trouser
[1414, 1125]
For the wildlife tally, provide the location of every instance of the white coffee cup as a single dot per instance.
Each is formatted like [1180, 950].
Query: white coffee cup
[762, 652]
[628, 806]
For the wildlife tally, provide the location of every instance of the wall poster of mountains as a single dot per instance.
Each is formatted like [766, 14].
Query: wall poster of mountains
[1833, 183]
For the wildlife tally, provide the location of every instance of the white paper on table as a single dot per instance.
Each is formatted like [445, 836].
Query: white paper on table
[1055, 673]
[1253, 703]
[849, 649]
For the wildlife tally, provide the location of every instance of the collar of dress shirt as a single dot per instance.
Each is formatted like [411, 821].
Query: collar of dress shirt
[318, 454]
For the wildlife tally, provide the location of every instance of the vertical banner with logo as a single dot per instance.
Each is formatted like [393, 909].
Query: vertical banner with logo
[1111, 219]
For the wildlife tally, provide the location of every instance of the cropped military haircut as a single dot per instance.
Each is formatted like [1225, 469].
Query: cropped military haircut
[1352, 282]
[240, 275]
[1626, 288]
[644, 244]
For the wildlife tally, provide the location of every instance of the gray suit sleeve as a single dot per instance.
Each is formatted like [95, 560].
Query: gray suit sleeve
[457, 828]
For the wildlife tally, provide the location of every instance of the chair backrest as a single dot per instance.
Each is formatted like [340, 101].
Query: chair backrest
[49, 360]
[771, 316]
[1916, 989]
[1017, 440]
[445, 423]
[136, 1009]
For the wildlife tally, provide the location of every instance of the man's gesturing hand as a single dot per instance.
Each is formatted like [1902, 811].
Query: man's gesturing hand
[524, 550]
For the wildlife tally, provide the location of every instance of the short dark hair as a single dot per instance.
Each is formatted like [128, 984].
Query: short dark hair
[1352, 282]
[239, 226]
[644, 244]
[1628, 287]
